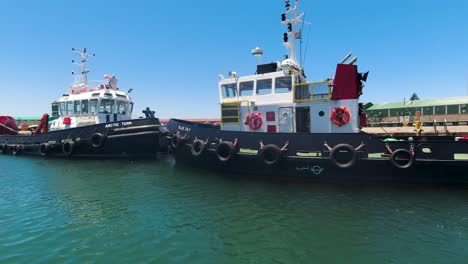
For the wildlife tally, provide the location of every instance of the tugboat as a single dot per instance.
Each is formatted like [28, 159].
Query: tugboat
[89, 122]
[277, 124]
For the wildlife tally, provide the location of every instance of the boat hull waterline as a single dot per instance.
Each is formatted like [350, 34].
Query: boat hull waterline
[132, 138]
[372, 163]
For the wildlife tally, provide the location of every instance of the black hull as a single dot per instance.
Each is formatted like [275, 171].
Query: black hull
[437, 167]
[137, 138]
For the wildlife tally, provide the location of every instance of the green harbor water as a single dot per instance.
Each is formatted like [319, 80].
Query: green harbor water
[120, 211]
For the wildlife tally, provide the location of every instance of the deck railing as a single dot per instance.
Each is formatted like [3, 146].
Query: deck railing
[314, 91]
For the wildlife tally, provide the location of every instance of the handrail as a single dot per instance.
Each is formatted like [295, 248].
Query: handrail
[309, 95]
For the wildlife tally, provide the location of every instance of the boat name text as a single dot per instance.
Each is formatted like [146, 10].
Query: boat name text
[128, 123]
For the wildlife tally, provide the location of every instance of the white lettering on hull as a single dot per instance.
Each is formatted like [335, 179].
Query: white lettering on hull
[127, 123]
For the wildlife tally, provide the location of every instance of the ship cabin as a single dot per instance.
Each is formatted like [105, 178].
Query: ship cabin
[82, 106]
[278, 99]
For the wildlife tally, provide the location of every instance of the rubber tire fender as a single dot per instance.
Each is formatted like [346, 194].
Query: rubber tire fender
[225, 151]
[398, 165]
[198, 147]
[44, 149]
[97, 140]
[339, 148]
[68, 148]
[270, 154]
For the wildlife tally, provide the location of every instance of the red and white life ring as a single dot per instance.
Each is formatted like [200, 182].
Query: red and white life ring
[255, 121]
[340, 116]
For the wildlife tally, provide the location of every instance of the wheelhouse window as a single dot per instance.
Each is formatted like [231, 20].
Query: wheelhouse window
[76, 107]
[84, 106]
[70, 108]
[283, 84]
[246, 88]
[106, 106]
[55, 109]
[93, 106]
[229, 90]
[63, 109]
[264, 86]
[131, 109]
[122, 107]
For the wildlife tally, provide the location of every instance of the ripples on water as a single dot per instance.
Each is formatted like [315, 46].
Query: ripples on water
[56, 211]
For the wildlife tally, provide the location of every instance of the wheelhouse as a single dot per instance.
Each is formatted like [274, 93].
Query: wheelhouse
[89, 106]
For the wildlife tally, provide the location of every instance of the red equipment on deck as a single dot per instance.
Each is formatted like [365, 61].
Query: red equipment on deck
[8, 126]
[43, 125]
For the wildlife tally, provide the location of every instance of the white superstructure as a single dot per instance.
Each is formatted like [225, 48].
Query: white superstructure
[85, 104]
[278, 97]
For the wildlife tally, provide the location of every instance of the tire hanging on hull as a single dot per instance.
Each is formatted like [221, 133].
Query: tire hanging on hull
[198, 147]
[44, 149]
[68, 148]
[97, 140]
[270, 154]
[402, 154]
[225, 151]
[348, 163]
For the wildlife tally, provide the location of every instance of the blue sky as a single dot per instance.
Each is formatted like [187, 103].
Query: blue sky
[171, 52]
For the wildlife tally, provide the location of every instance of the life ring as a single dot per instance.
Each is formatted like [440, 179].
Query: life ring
[225, 151]
[97, 140]
[255, 121]
[68, 147]
[198, 146]
[17, 150]
[340, 116]
[270, 154]
[44, 149]
[4, 148]
[348, 162]
[402, 155]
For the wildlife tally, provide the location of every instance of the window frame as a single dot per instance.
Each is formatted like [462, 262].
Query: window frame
[289, 88]
[270, 87]
[250, 89]
[226, 86]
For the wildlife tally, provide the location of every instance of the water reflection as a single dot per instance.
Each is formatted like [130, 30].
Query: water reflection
[147, 211]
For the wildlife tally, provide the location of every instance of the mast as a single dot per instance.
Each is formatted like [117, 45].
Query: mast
[81, 81]
[292, 33]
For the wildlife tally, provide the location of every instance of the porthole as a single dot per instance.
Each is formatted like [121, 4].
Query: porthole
[321, 113]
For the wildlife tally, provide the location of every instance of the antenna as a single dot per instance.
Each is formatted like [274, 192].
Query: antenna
[293, 32]
[84, 56]
[81, 80]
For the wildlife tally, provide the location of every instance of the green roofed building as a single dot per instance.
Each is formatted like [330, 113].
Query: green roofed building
[430, 107]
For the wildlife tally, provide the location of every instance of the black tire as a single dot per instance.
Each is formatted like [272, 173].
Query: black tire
[338, 161]
[44, 149]
[402, 155]
[97, 140]
[4, 149]
[270, 154]
[17, 150]
[225, 151]
[68, 147]
[198, 147]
